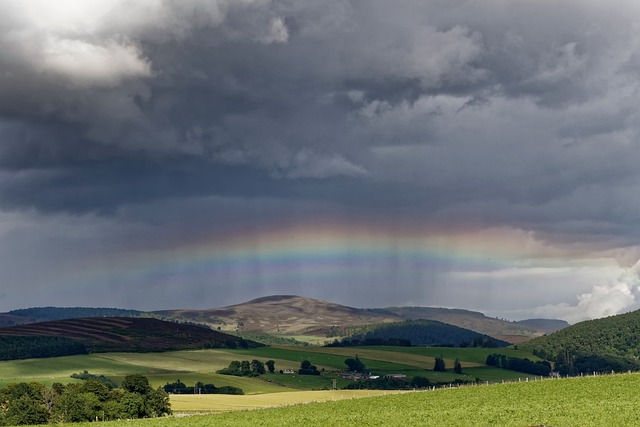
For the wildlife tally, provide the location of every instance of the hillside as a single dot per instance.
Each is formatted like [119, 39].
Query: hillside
[616, 335]
[102, 334]
[283, 314]
[25, 316]
[420, 333]
[473, 320]
[601, 345]
[547, 325]
[288, 315]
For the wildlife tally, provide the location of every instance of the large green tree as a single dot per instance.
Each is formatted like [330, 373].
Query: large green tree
[271, 366]
[439, 365]
[355, 365]
[136, 383]
[457, 367]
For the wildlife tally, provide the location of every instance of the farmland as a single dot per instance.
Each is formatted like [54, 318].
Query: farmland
[201, 365]
[594, 401]
[588, 401]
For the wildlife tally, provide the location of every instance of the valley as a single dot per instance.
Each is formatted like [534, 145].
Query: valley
[181, 351]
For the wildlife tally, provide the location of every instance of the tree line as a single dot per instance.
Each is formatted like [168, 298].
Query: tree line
[23, 347]
[247, 368]
[199, 387]
[35, 403]
[519, 365]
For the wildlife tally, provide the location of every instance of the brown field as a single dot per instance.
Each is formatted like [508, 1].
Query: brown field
[181, 403]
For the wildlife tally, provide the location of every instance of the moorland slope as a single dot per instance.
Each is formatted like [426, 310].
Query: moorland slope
[100, 334]
[296, 315]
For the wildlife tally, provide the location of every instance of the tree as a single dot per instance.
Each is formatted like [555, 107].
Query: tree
[75, 407]
[457, 367]
[157, 404]
[420, 382]
[271, 366]
[96, 387]
[26, 410]
[136, 383]
[177, 387]
[131, 405]
[245, 367]
[439, 365]
[306, 368]
[355, 365]
[257, 367]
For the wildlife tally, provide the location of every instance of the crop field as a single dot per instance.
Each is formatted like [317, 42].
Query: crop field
[585, 402]
[201, 365]
[224, 403]
[409, 361]
[333, 358]
[422, 360]
[470, 355]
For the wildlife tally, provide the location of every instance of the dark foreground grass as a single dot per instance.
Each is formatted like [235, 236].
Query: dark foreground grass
[597, 402]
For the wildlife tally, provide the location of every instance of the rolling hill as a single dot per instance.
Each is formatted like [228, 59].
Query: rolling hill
[101, 334]
[420, 333]
[289, 315]
[600, 345]
[616, 335]
[26, 316]
[296, 315]
[547, 325]
[513, 332]
[282, 314]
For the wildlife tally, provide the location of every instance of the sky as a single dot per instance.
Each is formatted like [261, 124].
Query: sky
[200, 153]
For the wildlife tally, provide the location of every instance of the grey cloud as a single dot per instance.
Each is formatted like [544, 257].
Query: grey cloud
[520, 114]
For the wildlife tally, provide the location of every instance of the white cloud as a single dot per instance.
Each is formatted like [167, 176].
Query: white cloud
[603, 300]
[87, 64]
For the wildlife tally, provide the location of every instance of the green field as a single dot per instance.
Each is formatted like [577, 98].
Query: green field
[201, 365]
[586, 402]
[599, 401]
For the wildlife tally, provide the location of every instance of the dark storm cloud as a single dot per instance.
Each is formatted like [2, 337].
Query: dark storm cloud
[519, 114]
[415, 94]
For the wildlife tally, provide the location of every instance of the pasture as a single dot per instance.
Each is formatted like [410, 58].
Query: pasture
[585, 402]
[201, 365]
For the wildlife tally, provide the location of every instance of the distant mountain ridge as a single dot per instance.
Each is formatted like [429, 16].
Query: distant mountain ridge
[547, 325]
[292, 315]
[296, 315]
[473, 320]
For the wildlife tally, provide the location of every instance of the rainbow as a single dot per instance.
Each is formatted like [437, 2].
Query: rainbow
[319, 253]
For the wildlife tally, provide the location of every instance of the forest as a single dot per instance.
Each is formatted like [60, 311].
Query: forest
[19, 347]
[35, 403]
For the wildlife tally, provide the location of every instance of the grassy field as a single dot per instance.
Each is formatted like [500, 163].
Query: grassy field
[585, 402]
[201, 365]
[59, 369]
[468, 355]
